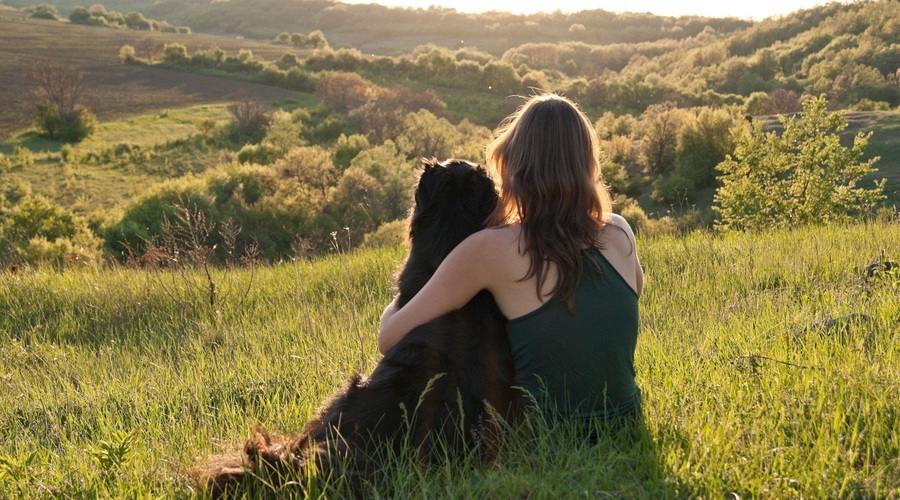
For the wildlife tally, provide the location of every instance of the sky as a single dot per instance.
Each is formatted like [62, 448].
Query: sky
[747, 9]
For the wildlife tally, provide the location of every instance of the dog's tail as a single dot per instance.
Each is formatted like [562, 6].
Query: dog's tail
[262, 455]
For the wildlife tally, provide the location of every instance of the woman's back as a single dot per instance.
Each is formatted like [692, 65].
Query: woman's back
[581, 363]
[507, 263]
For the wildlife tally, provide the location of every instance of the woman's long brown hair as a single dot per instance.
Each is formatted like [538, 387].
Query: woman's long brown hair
[545, 155]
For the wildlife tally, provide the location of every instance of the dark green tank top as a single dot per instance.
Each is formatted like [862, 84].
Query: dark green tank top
[581, 365]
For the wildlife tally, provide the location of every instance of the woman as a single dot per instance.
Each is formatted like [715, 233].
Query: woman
[558, 263]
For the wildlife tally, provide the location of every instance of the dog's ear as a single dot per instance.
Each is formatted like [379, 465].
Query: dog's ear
[427, 180]
[429, 163]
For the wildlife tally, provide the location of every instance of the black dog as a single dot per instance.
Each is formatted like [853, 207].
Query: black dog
[436, 390]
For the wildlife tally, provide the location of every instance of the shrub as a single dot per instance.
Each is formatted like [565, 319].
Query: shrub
[23, 156]
[632, 213]
[425, 135]
[674, 190]
[61, 252]
[45, 11]
[259, 154]
[389, 234]
[40, 232]
[127, 54]
[803, 176]
[74, 128]
[176, 54]
[660, 127]
[283, 133]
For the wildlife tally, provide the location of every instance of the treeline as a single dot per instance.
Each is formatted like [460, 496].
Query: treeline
[850, 53]
[375, 28]
[314, 40]
[97, 15]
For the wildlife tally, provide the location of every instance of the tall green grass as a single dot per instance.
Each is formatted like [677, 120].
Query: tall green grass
[114, 382]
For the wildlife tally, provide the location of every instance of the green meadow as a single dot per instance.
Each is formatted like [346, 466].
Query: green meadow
[768, 364]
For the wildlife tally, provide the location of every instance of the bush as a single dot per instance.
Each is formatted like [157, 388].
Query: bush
[347, 147]
[127, 54]
[389, 234]
[75, 128]
[41, 232]
[632, 213]
[60, 253]
[259, 154]
[23, 156]
[804, 176]
[673, 190]
[44, 11]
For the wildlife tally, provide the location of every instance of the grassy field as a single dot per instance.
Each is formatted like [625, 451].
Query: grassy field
[115, 381]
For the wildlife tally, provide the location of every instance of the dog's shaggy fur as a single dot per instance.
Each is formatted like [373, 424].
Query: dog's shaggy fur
[437, 391]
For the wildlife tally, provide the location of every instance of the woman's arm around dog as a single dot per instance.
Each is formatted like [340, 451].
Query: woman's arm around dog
[480, 262]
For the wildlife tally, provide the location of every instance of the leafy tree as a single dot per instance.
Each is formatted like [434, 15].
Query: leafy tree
[358, 203]
[660, 124]
[347, 147]
[395, 175]
[705, 140]
[80, 15]
[283, 133]
[425, 135]
[342, 91]
[803, 176]
[59, 89]
[310, 167]
[176, 53]
[45, 11]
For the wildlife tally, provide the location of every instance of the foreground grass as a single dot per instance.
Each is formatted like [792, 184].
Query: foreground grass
[116, 381]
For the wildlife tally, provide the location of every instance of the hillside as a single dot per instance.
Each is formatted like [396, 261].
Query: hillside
[117, 90]
[376, 29]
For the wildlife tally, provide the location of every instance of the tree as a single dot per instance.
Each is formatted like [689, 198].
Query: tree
[425, 135]
[59, 92]
[705, 139]
[283, 133]
[395, 175]
[308, 168]
[249, 117]
[342, 91]
[45, 11]
[804, 176]
[660, 124]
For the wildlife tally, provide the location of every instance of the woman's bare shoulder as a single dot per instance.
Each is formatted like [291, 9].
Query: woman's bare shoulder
[617, 231]
[498, 237]
[620, 222]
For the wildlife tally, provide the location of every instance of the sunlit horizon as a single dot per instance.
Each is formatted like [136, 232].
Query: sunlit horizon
[758, 10]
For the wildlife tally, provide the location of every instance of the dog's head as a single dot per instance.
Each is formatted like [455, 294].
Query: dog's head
[453, 200]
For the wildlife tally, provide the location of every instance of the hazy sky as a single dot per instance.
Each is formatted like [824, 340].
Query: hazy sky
[750, 9]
